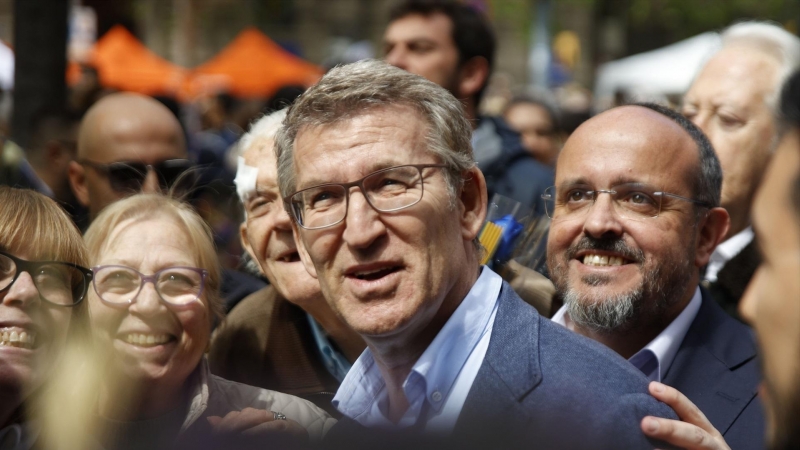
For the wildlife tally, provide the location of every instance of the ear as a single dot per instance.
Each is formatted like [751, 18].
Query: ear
[246, 243]
[301, 250]
[472, 76]
[77, 180]
[712, 231]
[473, 203]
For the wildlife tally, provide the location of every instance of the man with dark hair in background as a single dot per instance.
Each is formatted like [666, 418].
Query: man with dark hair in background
[453, 45]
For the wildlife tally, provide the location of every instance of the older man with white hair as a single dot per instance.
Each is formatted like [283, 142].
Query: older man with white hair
[284, 337]
[734, 101]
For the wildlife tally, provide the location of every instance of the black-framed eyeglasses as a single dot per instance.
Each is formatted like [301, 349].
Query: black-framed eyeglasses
[634, 201]
[127, 176]
[121, 285]
[386, 190]
[58, 283]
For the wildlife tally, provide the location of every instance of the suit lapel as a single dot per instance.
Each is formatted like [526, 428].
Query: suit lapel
[705, 367]
[510, 369]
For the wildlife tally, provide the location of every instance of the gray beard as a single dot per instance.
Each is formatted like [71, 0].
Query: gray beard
[645, 306]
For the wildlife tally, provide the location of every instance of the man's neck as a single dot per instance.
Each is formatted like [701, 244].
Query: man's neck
[396, 355]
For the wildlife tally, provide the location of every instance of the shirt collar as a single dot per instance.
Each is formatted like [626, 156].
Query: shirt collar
[440, 364]
[666, 344]
[735, 244]
[726, 251]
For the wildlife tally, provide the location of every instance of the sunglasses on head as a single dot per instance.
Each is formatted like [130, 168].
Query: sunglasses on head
[130, 176]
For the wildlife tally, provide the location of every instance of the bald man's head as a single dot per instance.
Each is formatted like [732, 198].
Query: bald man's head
[124, 128]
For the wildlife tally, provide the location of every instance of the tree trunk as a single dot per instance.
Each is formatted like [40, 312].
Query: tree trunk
[40, 49]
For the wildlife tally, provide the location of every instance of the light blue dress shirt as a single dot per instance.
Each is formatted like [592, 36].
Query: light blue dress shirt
[656, 357]
[440, 380]
[335, 362]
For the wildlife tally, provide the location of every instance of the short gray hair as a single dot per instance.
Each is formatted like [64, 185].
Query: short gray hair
[355, 89]
[263, 128]
[771, 39]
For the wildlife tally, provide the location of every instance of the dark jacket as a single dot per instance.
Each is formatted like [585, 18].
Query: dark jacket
[267, 342]
[716, 368]
[514, 173]
[540, 386]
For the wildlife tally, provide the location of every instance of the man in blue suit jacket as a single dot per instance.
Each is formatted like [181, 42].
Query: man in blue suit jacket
[376, 169]
[627, 264]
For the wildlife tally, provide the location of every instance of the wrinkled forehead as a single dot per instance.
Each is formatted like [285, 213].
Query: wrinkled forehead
[635, 145]
[386, 135]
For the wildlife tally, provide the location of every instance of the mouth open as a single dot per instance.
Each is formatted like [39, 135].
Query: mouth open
[18, 339]
[290, 258]
[372, 275]
[148, 340]
[598, 260]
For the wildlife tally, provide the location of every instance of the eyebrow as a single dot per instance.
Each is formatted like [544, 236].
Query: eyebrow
[619, 180]
[314, 181]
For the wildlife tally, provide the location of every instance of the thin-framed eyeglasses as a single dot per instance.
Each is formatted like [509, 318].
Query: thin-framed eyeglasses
[58, 283]
[129, 176]
[121, 285]
[386, 190]
[634, 201]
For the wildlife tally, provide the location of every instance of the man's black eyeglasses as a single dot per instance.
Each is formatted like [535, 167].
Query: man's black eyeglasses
[59, 283]
[130, 176]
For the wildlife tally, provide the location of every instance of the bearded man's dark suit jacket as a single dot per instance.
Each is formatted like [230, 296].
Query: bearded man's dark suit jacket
[716, 368]
[540, 385]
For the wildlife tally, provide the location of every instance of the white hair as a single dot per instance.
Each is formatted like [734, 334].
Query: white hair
[771, 39]
[264, 128]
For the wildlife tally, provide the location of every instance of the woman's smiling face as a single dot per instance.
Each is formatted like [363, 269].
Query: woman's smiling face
[26, 361]
[152, 341]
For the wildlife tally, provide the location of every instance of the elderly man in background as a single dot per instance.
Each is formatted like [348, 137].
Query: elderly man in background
[284, 337]
[129, 143]
[770, 304]
[376, 168]
[635, 216]
[734, 100]
[453, 45]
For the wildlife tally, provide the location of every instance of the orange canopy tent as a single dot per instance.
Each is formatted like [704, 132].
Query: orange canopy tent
[253, 66]
[124, 63]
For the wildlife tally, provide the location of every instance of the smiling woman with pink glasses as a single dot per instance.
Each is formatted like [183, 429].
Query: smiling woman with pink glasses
[42, 285]
[154, 297]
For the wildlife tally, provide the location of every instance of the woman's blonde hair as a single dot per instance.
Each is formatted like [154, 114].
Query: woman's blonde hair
[36, 223]
[147, 206]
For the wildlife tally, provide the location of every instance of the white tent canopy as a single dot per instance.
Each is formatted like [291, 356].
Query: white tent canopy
[665, 71]
[6, 67]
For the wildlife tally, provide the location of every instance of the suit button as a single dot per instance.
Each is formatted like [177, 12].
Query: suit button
[436, 396]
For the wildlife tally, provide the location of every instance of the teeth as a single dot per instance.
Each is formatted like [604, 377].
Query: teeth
[14, 338]
[147, 340]
[598, 260]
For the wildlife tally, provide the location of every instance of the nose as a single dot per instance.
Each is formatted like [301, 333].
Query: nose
[151, 184]
[22, 292]
[282, 220]
[362, 224]
[602, 218]
[749, 303]
[147, 303]
[396, 57]
[702, 119]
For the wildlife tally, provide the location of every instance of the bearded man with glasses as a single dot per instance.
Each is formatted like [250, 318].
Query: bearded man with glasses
[376, 168]
[635, 216]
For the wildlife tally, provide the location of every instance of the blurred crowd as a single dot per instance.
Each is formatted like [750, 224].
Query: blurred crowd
[318, 269]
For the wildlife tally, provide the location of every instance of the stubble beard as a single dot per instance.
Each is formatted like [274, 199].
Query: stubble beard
[644, 306]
